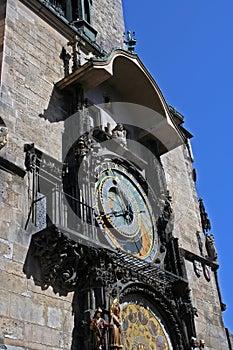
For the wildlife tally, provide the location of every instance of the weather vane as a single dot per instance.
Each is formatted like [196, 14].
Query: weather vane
[130, 40]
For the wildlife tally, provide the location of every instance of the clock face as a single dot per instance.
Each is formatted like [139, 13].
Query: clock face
[123, 211]
[142, 329]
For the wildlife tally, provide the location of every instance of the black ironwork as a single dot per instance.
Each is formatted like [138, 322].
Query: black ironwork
[96, 274]
[69, 256]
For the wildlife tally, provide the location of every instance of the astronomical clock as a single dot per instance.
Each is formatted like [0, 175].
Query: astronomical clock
[107, 233]
[123, 211]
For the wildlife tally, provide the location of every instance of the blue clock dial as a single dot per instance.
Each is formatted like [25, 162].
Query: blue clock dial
[123, 211]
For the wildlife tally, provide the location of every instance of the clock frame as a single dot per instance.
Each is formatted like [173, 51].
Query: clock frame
[123, 210]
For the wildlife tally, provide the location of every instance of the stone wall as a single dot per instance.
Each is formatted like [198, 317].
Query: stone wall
[34, 112]
[31, 66]
[179, 175]
[108, 21]
[178, 171]
[30, 318]
[2, 30]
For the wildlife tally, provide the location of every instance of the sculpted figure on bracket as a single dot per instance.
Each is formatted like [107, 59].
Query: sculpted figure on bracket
[119, 133]
[98, 326]
[3, 134]
[115, 334]
[210, 247]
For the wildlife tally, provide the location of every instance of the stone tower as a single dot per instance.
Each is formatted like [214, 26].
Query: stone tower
[101, 226]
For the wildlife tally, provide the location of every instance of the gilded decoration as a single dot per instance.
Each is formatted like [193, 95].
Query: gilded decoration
[142, 330]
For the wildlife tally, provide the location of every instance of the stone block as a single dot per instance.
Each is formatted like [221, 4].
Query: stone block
[4, 302]
[49, 297]
[51, 300]
[12, 347]
[13, 268]
[11, 329]
[4, 228]
[23, 344]
[6, 213]
[6, 248]
[20, 253]
[17, 233]
[67, 340]
[27, 309]
[42, 335]
[68, 321]
[55, 319]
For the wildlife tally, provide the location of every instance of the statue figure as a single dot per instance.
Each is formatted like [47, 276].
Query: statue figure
[210, 247]
[130, 41]
[115, 324]
[206, 225]
[84, 145]
[98, 326]
[107, 128]
[119, 133]
[193, 343]
[3, 135]
[200, 243]
[202, 345]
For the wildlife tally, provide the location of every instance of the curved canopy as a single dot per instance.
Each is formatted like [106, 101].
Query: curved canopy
[133, 84]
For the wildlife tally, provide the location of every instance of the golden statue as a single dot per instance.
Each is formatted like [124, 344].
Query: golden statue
[115, 324]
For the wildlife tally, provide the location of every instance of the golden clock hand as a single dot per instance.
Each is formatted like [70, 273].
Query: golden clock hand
[119, 212]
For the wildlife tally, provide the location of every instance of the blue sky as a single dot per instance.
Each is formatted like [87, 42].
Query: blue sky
[187, 46]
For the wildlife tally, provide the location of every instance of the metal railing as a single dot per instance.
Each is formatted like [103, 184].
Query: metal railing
[61, 209]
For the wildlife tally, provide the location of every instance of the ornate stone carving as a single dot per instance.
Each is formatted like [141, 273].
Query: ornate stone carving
[210, 247]
[76, 53]
[197, 268]
[66, 265]
[84, 146]
[30, 156]
[164, 219]
[65, 56]
[98, 275]
[207, 272]
[206, 226]
[119, 134]
[55, 259]
[200, 243]
[3, 135]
